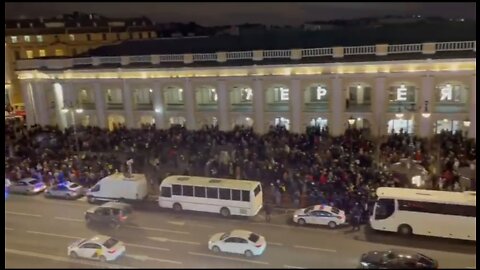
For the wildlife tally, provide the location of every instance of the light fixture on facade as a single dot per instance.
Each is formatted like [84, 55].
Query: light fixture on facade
[150, 90]
[359, 86]
[157, 110]
[426, 114]
[351, 120]
[399, 114]
[79, 110]
[466, 122]
[64, 110]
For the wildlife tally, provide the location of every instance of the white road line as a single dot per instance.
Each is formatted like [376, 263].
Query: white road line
[22, 214]
[162, 239]
[8, 229]
[157, 229]
[274, 244]
[314, 248]
[144, 258]
[227, 258]
[55, 235]
[69, 219]
[62, 259]
[203, 226]
[147, 247]
[293, 267]
[180, 223]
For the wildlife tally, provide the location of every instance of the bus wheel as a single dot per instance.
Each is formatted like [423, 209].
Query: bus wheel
[224, 212]
[405, 229]
[177, 207]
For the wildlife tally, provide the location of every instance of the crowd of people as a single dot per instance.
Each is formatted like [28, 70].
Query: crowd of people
[314, 167]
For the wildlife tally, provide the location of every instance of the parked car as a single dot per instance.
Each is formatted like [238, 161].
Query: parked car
[397, 259]
[27, 186]
[119, 187]
[68, 190]
[100, 247]
[320, 215]
[239, 242]
[112, 214]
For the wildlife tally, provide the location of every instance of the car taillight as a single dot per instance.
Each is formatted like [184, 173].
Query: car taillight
[123, 217]
[112, 251]
[339, 217]
[258, 245]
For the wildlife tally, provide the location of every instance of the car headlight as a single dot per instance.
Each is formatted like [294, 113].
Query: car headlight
[295, 216]
[364, 264]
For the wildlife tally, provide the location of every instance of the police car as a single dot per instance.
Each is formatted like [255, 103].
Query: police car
[319, 215]
[100, 247]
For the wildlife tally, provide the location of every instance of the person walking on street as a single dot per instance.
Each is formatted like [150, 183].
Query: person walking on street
[268, 212]
[356, 215]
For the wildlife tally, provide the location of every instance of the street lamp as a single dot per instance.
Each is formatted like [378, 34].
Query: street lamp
[351, 120]
[73, 108]
[466, 122]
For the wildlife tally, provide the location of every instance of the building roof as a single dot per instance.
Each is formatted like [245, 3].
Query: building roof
[292, 38]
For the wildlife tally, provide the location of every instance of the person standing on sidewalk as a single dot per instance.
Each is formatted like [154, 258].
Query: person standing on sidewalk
[268, 212]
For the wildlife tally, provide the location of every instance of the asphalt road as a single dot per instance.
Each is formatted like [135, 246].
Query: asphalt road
[38, 231]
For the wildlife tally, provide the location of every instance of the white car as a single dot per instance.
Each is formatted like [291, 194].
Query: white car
[239, 242]
[319, 215]
[68, 190]
[100, 247]
[27, 186]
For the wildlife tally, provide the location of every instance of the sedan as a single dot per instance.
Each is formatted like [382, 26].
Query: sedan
[66, 190]
[238, 241]
[397, 259]
[27, 186]
[102, 248]
[320, 215]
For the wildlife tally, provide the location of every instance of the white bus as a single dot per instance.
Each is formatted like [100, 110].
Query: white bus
[214, 195]
[426, 212]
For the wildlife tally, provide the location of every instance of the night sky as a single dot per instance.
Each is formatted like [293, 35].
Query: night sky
[237, 13]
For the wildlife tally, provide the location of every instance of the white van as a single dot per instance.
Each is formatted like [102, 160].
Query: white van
[119, 187]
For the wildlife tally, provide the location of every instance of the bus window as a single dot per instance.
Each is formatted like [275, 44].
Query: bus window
[212, 193]
[245, 195]
[166, 192]
[187, 191]
[200, 192]
[257, 190]
[177, 190]
[384, 208]
[224, 193]
[235, 195]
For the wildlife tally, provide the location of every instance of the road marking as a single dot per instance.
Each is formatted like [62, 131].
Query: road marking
[22, 214]
[314, 248]
[274, 244]
[203, 226]
[227, 258]
[70, 219]
[157, 229]
[148, 247]
[180, 223]
[161, 239]
[55, 235]
[62, 259]
[8, 229]
[145, 258]
[293, 267]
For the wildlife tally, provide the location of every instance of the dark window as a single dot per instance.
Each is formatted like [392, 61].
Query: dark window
[104, 36]
[245, 195]
[437, 208]
[166, 192]
[130, 35]
[236, 195]
[231, 240]
[212, 193]
[384, 208]
[118, 36]
[257, 190]
[224, 193]
[74, 51]
[187, 191]
[141, 35]
[89, 37]
[324, 214]
[177, 190]
[242, 241]
[17, 55]
[110, 243]
[335, 210]
[253, 237]
[200, 192]
[149, 34]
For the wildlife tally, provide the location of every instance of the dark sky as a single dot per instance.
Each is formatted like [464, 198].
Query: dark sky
[281, 13]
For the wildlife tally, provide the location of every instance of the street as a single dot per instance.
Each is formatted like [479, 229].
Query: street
[38, 231]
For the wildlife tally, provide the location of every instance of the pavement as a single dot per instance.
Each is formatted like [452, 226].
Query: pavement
[38, 231]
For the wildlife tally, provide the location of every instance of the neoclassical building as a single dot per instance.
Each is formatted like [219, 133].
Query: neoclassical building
[420, 88]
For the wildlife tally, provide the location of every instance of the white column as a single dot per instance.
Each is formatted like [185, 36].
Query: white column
[296, 105]
[472, 132]
[41, 104]
[189, 97]
[379, 108]
[426, 94]
[158, 105]
[258, 106]
[68, 100]
[29, 105]
[100, 105]
[337, 121]
[223, 106]
[128, 105]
